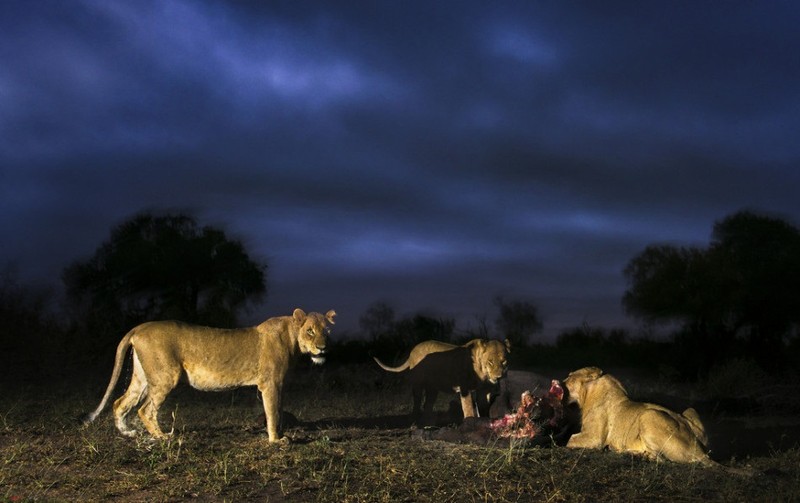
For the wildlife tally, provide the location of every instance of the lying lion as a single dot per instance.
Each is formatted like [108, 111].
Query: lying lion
[212, 359]
[610, 419]
[438, 366]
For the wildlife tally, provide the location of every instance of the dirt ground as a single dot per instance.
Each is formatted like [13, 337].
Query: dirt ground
[737, 429]
[352, 440]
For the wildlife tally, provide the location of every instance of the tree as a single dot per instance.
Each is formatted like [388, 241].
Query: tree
[518, 320]
[744, 288]
[161, 267]
[377, 320]
[761, 255]
[420, 327]
[389, 338]
[31, 341]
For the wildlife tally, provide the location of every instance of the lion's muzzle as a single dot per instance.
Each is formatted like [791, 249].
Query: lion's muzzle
[494, 379]
[319, 357]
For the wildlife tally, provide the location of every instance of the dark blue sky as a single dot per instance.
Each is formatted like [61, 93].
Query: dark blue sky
[428, 154]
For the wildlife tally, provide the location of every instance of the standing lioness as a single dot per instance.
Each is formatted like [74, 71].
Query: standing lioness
[436, 366]
[213, 359]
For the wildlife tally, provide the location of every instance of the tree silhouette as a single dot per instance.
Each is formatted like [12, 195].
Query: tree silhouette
[761, 258]
[420, 327]
[517, 320]
[32, 343]
[743, 291]
[377, 321]
[390, 338]
[162, 267]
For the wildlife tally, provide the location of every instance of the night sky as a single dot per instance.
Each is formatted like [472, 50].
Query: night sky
[431, 155]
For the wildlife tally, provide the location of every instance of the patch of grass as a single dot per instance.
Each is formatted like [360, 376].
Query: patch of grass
[219, 451]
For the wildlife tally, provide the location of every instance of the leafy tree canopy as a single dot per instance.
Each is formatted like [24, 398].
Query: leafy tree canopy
[163, 267]
[517, 320]
[744, 286]
[378, 320]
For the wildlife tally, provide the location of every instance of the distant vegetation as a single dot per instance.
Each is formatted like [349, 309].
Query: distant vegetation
[736, 300]
[151, 267]
[740, 296]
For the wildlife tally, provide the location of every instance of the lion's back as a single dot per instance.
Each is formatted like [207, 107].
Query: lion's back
[425, 348]
[211, 358]
[446, 369]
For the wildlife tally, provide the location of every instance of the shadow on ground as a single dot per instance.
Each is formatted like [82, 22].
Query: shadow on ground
[736, 428]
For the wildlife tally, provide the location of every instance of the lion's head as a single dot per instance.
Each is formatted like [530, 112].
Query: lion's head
[490, 358]
[583, 382]
[313, 333]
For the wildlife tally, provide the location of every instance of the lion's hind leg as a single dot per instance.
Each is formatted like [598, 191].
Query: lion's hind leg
[418, 393]
[137, 389]
[159, 385]
[696, 425]
[148, 413]
[671, 437]
[430, 399]
[424, 398]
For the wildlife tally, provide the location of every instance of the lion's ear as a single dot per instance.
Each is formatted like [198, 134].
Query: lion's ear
[593, 372]
[329, 315]
[299, 315]
[508, 345]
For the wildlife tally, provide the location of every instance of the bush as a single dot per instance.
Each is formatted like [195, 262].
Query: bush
[32, 343]
[735, 378]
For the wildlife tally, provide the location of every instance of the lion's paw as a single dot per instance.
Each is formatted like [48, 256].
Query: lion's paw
[282, 441]
[128, 432]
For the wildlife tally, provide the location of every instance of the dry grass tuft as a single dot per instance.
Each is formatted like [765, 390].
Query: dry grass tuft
[341, 452]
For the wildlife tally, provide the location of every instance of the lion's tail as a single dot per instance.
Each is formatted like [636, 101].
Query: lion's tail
[739, 472]
[700, 433]
[122, 351]
[391, 369]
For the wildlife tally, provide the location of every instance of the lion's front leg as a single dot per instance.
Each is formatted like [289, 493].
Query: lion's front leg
[271, 396]
[584, 440]
[467, 404]
[591, 436]
[594, 431]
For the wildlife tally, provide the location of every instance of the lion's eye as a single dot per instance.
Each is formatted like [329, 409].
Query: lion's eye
[310, 331]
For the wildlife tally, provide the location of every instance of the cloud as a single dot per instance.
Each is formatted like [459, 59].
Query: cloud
[433, 154]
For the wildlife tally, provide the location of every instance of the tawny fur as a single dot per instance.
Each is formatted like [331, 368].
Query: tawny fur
[212, 359]
[436, 366]
[419, 352]
[610, 419]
